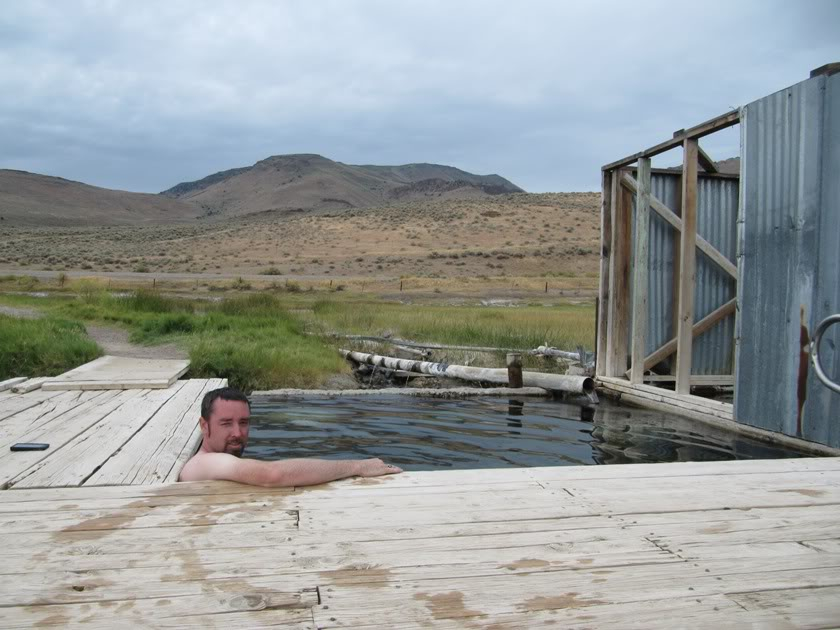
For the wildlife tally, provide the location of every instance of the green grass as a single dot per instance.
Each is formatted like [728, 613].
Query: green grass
[258, 341]
[563, 326]
[251, 340]
[42, 347]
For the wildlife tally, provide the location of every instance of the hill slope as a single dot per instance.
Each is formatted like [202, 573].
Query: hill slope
[313, 182]
[32, 199]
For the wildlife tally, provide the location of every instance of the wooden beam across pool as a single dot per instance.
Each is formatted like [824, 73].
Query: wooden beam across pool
[716, 544]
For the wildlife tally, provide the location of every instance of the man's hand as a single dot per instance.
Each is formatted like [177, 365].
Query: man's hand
[375, 468]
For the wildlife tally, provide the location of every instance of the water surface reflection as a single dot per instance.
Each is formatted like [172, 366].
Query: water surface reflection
[431, 434]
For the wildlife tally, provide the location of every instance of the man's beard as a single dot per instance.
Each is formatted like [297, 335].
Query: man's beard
[236, 448]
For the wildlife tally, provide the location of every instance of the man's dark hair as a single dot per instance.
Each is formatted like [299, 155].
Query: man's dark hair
[224, 393]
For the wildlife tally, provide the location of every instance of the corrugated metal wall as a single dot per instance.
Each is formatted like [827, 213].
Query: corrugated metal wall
[789, 254]
[717, 210]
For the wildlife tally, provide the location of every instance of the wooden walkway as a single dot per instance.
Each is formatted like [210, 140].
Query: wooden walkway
[696, 545]
[105, 437]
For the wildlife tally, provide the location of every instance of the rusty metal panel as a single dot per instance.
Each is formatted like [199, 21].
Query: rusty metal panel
[789, 259]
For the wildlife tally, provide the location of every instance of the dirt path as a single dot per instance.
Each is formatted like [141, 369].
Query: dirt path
[23, 313]
[113, 341]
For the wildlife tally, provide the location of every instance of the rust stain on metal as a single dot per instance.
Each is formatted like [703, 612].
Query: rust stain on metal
[802, 385]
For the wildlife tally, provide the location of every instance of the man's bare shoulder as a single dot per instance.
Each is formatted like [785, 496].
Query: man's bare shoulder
[205, 466]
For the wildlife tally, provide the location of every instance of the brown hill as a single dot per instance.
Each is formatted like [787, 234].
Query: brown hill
[32, 199]
[550, 235]
[313, 183]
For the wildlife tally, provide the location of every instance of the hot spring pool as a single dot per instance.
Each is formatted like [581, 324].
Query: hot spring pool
[437, 434]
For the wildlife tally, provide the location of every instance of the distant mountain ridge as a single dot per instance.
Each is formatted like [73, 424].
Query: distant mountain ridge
[312, 182]
[42, 200]
[292, 183]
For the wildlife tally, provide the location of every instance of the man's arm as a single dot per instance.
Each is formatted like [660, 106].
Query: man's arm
[286, 473]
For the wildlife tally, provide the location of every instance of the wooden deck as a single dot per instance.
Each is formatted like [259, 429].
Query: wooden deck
[718, 545]
[110, 437]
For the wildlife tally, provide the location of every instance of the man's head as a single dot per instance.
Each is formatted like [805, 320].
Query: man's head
[225, 415]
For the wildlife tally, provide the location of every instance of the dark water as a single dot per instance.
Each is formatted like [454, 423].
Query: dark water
[432, 434]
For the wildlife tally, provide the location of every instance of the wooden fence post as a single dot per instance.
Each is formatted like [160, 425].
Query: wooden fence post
[514, 366]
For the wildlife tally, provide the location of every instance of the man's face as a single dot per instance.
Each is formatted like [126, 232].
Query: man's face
[226, 430]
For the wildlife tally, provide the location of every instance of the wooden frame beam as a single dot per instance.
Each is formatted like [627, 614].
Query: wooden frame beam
[698, 131]
[688, 262]
[669, 348]
[618, 311]
[604, 281]
[670, 216]
[706, 162]
[640, 273]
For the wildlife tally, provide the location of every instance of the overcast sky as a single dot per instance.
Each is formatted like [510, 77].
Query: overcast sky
[143, 95]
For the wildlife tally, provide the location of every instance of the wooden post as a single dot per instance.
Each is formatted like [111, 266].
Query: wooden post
[546, 287]
[675, 279]
[640, 273]
[514, 367]
[688, 255]
[607, 178]
[401, 283]
[619, 312]
[154, 282]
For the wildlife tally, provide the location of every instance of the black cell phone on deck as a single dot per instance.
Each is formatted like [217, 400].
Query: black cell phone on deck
[30, 446]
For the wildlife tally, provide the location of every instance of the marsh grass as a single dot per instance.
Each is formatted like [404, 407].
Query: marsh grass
[525, 327]
[43, 347]
[252, 340]
[259, 340]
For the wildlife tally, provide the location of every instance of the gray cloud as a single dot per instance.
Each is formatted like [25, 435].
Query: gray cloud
[141, 96]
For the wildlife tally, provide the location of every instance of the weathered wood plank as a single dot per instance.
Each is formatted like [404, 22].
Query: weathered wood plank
[30, 385]
[79, 457]
[698, 131]
[688, 262]
[150, 454]
[604, 292]
[640, 273]
[57, 430]
[618, 315]
[670, 347]
[12, 404]
[582, 546]
[9, 383]
[110, 372]
[467, 597]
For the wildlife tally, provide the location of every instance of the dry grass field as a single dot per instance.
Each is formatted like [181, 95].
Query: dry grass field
[526, 236]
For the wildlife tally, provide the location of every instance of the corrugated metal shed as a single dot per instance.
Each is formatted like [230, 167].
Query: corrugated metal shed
[717, 211]
[789, 255]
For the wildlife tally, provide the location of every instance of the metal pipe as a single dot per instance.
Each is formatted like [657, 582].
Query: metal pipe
[815, 346]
